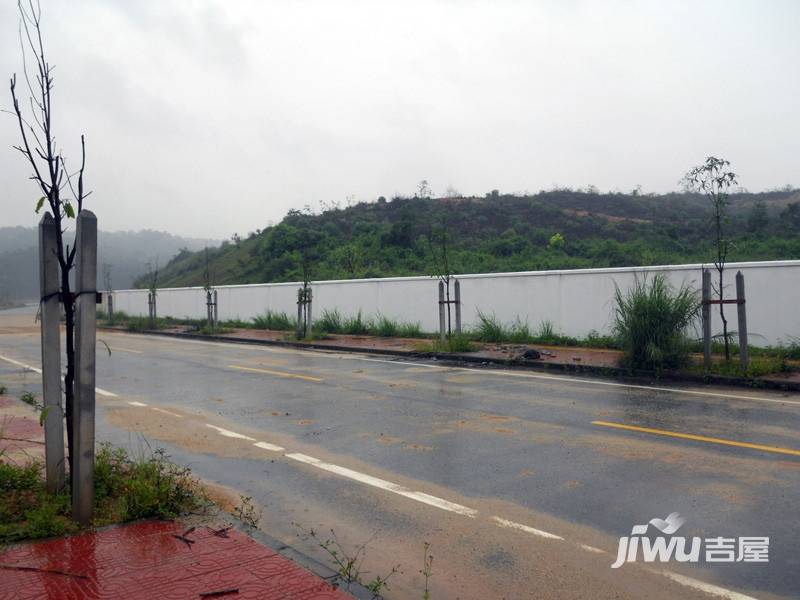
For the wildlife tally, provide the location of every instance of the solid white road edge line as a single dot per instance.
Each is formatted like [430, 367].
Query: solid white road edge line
[528, 375]
[526, 528]
[100, 391]
[498, 372]
[592, 549]
[385, 485]
[134, 403]
[231, 434]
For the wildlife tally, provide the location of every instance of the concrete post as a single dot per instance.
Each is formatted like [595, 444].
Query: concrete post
[216, 309]
[742, 313]
[457, 293]
[51, 355]
[442, 326]
[706, 319]
[85, 329]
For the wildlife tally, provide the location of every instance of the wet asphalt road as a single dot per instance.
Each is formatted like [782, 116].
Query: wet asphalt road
[521, 446]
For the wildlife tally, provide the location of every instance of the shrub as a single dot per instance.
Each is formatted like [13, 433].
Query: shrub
[651, 321]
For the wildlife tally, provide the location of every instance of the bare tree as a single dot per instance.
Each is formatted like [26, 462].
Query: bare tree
[62, 190]
[107, 277]
[152, 288]
[714, 179]
[423, 189]
[208, 279]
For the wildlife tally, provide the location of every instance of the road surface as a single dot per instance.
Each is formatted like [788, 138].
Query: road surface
[522, 482]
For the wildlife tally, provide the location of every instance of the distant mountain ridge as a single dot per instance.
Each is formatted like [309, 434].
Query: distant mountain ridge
[496, 233]
[127, 253]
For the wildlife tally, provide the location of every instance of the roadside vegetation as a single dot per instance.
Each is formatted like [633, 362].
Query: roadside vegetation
[652, 323]
[126, 489]
[645, 329]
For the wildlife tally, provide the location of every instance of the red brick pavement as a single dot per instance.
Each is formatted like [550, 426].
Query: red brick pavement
[145, 560]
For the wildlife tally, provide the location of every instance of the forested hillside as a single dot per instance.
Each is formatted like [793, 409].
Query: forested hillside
[550, 230]
[125, 253]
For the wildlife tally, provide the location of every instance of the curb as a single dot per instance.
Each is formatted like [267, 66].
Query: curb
[321, 570]
[632, 376]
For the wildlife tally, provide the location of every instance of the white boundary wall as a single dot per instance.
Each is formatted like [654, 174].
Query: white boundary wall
[575, 301]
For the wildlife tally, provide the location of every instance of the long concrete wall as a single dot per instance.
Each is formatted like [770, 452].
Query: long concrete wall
[575, 301]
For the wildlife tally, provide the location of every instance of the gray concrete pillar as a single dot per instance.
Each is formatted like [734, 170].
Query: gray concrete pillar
[85, 329]
[49, 286]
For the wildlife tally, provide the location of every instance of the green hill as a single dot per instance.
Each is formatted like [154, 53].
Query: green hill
[493, 234]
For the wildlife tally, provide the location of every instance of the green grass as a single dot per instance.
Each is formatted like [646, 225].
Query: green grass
[330, 321]
[489, 329]
[651, 321]
[759, 366]
[274, 320]
[125, 489]
[385, 327]
[456, 343]
[357, 325]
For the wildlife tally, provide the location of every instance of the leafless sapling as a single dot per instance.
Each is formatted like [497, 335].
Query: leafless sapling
[62, 191]
[439, 245]
[714, 179]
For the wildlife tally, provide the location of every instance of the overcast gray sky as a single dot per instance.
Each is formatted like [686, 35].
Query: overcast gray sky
[213, 117]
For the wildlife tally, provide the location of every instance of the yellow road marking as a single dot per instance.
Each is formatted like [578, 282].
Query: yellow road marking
[699, 438]
[277, 373]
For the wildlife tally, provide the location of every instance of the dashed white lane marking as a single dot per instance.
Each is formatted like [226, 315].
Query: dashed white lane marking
[134, 403]
[498, 373]
[19, 364]
[167, 412]
[268, 446]
[231, 434]
[512, 525]
[385, 485]
[100, 391]
[708, 588]
[463, 510]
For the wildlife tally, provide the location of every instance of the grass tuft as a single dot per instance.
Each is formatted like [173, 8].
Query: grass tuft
[329, 322]
[278, 321]
[651, 321]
